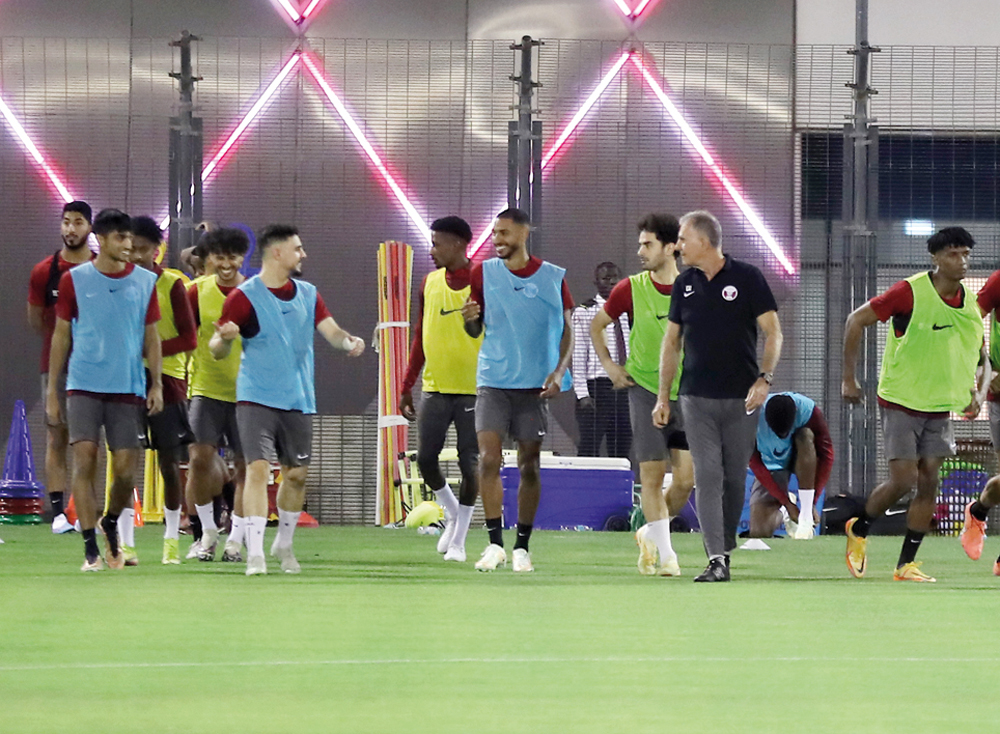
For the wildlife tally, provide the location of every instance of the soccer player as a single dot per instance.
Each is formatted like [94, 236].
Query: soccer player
[792, 438]
[929, 369]
[601, 410]
[522, 306]
[107, 311]
[718, 305]
[43, 292]
[213, 397]
[448, 357]
[973, 533]
[169, 431]
[646, 299]
[276, 315]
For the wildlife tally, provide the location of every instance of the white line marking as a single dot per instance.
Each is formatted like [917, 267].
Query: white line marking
[491, 661]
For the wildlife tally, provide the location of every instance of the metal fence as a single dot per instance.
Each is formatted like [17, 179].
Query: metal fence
[437, 114]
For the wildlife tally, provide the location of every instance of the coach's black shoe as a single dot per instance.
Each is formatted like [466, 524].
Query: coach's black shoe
[717, 570]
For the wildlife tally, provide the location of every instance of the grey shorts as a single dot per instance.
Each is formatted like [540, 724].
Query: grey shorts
[213, 422]
[908, 437]
[649, 442]
[758, 494]
[519, 414]
[124, 423]
[994, 412]
[60, 390]
[266, 433]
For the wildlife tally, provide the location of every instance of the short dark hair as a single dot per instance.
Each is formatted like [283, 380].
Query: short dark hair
[780, 414]
[453, 225]
[606, 265]
[146, 228]
[275, 233]
[664, 226]
[518, 216]
[111, 220]
[706, 225]
[225, 241]
[80, 207]
[949, 237]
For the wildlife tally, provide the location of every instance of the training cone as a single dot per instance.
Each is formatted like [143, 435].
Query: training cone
[18, 467]
[307, 521]
[137, 505]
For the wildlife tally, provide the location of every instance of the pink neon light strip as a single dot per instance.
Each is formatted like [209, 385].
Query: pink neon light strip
[309, 8]
[642, 6]
[249, 117]
[338, 105]
[293, 13]
[626, 10]
[584, 109]
[30, 146]
[574, 122]
[727, 183]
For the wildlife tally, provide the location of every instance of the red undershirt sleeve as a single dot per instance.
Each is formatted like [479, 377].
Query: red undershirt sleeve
[417, 358]
[763, 475]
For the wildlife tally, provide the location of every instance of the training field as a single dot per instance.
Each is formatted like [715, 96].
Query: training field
[378, 635]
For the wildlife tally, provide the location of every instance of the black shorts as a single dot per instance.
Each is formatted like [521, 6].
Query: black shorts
[522, 415]
[169, 429]
[649, 442]
[267, 433]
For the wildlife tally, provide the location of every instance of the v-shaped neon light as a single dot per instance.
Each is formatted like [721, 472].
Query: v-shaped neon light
[690, 136]
[628, 12]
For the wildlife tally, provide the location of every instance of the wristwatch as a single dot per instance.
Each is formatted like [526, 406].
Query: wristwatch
[767, 377]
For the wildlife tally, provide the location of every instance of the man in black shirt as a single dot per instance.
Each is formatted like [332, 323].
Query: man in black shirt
[717, 305]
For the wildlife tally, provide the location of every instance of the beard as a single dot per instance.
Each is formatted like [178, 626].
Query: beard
[74, 246]
[297, 270]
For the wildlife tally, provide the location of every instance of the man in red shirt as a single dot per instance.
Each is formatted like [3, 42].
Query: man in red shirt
[43, 292]
[929, 370]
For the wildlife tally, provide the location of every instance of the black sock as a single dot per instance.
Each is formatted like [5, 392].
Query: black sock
[56, 498]
[495, 528]
[217, 510]
[195, 525]
[862, 525]
[229, 495]
[911, 544]
[523, 536]
[978, 510]
[110, 526]
[90, 548]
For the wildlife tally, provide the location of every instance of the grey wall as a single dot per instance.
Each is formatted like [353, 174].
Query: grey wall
[97, 100]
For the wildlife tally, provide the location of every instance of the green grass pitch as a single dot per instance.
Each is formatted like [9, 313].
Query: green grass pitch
[379, 635]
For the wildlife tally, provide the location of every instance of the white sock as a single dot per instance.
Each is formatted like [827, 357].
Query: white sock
[784, 515]
[659, 532]
[206, 513]
[126, 527]
[287, 521]
[446, 498]
[255, 535]
[172, 519]
[238, 531]
[462, 522]
[806, 497]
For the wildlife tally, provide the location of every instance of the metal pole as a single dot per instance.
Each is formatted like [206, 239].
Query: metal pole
[186, 156]
[522, 194]
[861, 204]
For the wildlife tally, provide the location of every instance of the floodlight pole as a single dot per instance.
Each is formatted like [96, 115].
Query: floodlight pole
[859, 429]
[185, 158]
[524, 147]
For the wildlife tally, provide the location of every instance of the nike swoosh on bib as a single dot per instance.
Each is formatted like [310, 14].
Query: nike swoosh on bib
[935, 327]
[454, 310]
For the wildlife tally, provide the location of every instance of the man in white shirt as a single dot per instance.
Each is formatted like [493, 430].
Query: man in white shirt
[602, 412]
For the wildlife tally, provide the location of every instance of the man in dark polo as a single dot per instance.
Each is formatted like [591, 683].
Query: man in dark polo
[717, 305]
